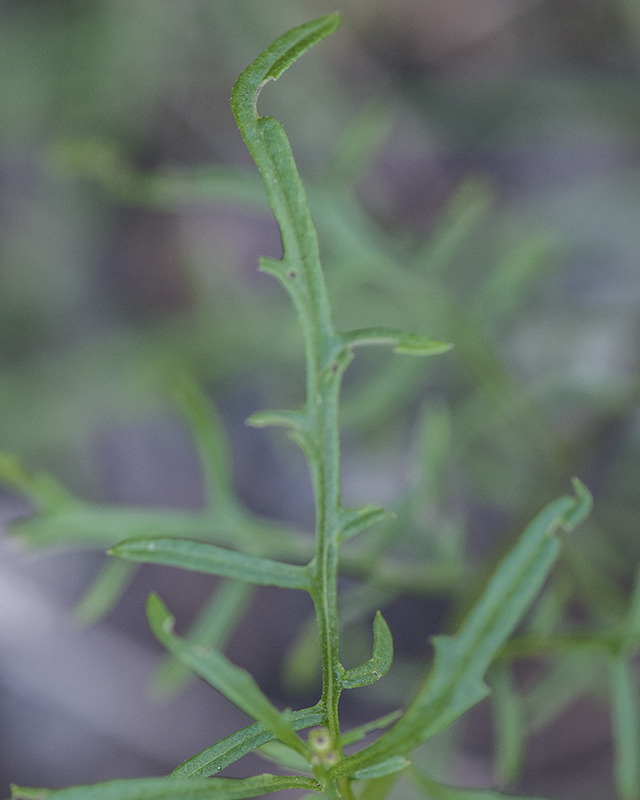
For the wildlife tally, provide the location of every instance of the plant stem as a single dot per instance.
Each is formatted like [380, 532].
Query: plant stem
[323, 405]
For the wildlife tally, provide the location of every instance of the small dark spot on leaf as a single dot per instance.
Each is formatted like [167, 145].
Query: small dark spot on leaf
[292, 274]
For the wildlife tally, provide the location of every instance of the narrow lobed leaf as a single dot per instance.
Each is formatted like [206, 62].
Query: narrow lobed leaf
[228, 750]
[163, 789]
[581, 508]
[212, 628]
[314, 31]
[462, 660]
[357, 734]
[234, 683]
[354, 521]
[456, 683]
[284, 757]
[388, 767]
[378, 665]
[294, 420]
[299, 269]
[411, 344]
[273, 61]
[213, 560]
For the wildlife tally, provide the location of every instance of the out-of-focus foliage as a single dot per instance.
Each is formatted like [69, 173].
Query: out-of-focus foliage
[473, 172]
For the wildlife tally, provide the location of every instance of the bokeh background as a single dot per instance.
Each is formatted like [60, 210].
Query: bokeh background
[474, 170]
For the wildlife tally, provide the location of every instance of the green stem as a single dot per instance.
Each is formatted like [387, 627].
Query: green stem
[326, 480]
[315, 427]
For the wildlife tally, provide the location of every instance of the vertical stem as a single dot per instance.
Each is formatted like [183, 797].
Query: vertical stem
[325, 469]
[326, 354]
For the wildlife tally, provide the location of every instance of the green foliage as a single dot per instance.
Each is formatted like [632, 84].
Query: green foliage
[267, 554]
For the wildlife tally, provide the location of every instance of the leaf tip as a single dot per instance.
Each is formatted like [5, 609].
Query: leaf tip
[414, 345]
[158, 614]
[309, 34]
[581, 508]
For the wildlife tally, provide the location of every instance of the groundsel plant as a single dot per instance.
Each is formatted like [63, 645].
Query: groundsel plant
[311, 745]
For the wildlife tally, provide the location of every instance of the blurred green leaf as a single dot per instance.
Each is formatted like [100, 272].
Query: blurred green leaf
[104, 592]
[508, 724]
[625, 713]
[439, 791]
[42, 489]
[211, 442]
[354, 521]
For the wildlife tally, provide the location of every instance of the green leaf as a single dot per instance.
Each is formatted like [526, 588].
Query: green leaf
[231, 748]
[293, 420]
[210, 441]
[42, 489]
[326, 357]
[510, 282]
[433, 451]
[104, 592]
[358, 144]
[388, 767]
[171, 789]
[272, 62]
[299, 270]
[285, 757]
[378, 788]
[581, 508]
[625, 712]
[467, 209]
[566, 678]
[213, 560]
[91, 525]
[302, 667]
[632, 622]
[411, 344]
[439, 791]
[354, 521]
[233, 682]
[508, 724]
[456, 683]
[357, 734]
[173, 188]
[212, 628]
[378, 665]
